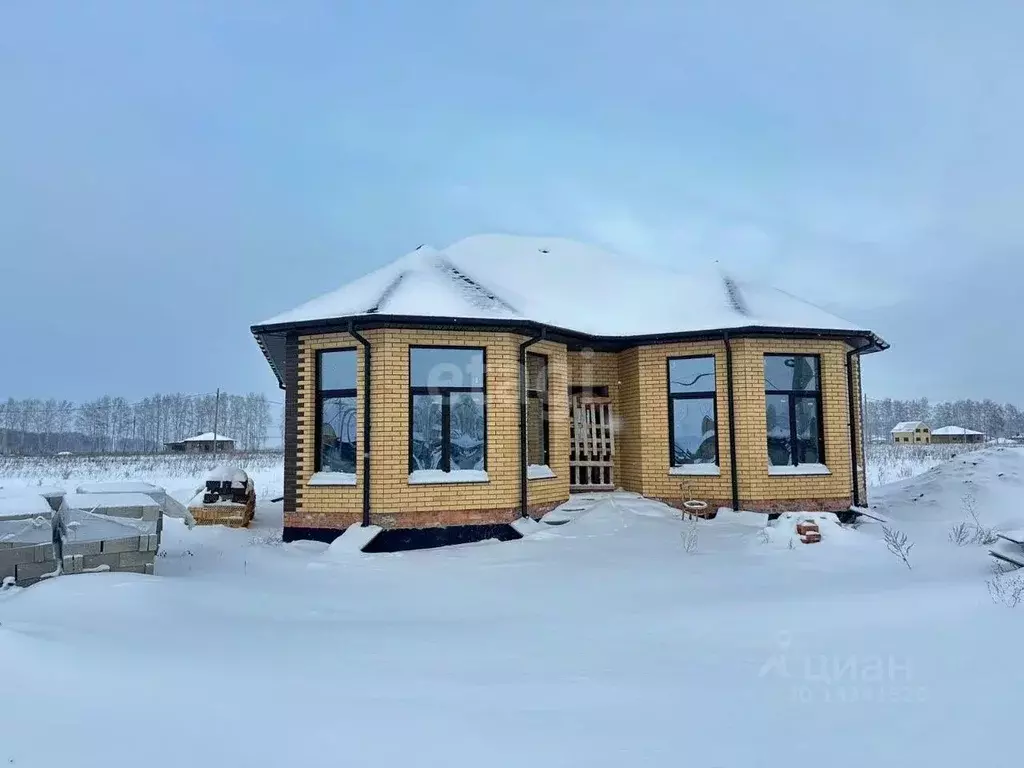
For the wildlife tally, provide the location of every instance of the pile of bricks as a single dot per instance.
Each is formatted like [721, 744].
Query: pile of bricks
[109, 532]
[228, 498]
[808, 532]
[27, 552]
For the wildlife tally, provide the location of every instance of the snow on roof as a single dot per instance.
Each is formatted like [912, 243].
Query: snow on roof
[908, 426]
[955, 431]
[207, 437]
[564, 284]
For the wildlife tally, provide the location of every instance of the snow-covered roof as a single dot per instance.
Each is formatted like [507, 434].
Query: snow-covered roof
[955, 431]
[208, 437]
[563, 284]
[908, 426]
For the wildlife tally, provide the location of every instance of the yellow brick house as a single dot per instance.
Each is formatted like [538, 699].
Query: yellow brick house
[453, 392]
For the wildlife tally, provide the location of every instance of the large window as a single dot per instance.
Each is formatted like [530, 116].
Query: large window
[536, 409]
[336, 411]
[692, 412]
[448, 419]
[792, 387]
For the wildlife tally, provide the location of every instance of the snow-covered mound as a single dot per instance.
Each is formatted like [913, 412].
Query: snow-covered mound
[988, 483]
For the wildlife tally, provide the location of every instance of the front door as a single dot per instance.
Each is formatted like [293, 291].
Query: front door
[591, 443]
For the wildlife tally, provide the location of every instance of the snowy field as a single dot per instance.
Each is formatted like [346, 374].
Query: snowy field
[178, 474]
[623, 637]
[888, 462]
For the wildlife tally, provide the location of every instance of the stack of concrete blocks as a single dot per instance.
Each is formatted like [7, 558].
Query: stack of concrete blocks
[155, 492]
[52, 494]
[227, 498]
[109, 532]
[27, 552]
[170, 506]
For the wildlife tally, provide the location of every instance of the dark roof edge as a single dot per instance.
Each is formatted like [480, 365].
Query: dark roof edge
[342, 324]
[554, 333]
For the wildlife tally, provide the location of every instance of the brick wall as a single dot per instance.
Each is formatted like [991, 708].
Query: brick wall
[549, 492]
[637, 383]
[629, 435]
[643, 438]
[657, 481]
[758, 489]
[394, 502]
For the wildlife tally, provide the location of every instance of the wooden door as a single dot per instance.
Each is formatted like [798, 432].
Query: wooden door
[591, 444]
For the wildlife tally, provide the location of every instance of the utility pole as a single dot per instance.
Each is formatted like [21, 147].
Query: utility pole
[216, 416]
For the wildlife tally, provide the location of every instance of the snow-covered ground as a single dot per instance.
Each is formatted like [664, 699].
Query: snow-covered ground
[178, 474]
[599, 642]
[889, 462]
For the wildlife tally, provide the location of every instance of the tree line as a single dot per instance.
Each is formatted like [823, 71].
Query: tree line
[114, 425]
[992, 418]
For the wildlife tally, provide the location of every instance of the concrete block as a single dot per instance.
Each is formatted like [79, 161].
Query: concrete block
[17, 556]
[150, 543]
[7, 571]
[71, 547]
[72, 563]
[44, 553]
[128, 544]
[35, 571]
[150, 569]
[129, 559]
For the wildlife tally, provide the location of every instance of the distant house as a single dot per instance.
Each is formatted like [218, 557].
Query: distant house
[490, 380]
[204, 443]
[957, 435]
[911, 432]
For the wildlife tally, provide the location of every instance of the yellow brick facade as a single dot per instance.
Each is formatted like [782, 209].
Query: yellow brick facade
[394, 501]
[637, 382]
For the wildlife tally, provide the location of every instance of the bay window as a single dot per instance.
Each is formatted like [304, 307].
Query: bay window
[792, 385]
[692, 411]
[537, 436]
[447, 411]
[336, 411]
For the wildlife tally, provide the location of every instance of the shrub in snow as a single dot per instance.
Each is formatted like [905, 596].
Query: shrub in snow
[961, 534]
[690, 537]
[971, 531]
[1006, 589]
[898, 543]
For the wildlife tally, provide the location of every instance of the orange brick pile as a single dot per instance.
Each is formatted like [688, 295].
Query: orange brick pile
[808, 532]
[226, 502]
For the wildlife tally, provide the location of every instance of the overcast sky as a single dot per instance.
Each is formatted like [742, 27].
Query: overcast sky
[172, 171]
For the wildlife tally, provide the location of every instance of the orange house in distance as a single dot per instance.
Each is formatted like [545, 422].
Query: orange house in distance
[453, 392]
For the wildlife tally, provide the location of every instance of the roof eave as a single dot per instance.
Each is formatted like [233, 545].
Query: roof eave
[871, 342]
[364, 320]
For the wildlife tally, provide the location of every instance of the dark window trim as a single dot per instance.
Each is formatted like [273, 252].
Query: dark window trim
[319, 395]
[545, 403]
[598, 390]
[794, 394]
[445, 394]
[673, 396]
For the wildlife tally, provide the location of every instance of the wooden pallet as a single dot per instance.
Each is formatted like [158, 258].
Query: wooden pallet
[231, 515]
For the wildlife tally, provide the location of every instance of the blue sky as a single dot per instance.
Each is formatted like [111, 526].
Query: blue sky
[174, 171]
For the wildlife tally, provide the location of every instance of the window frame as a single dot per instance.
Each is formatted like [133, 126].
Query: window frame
[446, 411]
[319, 395]
[793, 395]
[545, 404]
[673, 396]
